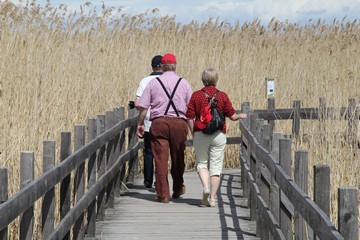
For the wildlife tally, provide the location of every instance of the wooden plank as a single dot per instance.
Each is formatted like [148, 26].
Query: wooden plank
[348, 212]
[48, 205]
[137, 215]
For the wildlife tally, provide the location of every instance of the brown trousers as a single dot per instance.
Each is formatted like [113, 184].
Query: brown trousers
[168, 134]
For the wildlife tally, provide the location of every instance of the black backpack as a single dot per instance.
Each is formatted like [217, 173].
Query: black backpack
[218, 119]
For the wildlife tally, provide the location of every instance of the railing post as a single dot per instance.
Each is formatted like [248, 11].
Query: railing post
[352, 122]
[109, 123]
[253, 118]
[122, 177]
[322, 115]
[245, 107]
[65, 188]
[119, 116]
[275, 191]
[3, 197]
[91, 211]
[79, 180]
[271, 105]
[133, 162]
[301, 179]
[101, 169]
[265, 173]
[285, 163]
[26, 177]
[48, 204]
[296, 119]
[322, 188]
[348, 213]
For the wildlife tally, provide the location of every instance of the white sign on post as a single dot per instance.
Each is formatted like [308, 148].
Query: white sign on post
[270, 87]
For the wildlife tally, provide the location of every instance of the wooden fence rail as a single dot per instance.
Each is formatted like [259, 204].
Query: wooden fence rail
[88, 178]
[279, 204]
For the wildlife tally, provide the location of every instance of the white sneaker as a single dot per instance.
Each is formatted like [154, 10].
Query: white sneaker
[212, 202]
[205, 198]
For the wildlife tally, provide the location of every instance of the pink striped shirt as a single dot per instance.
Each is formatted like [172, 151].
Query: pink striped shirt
[155, 97]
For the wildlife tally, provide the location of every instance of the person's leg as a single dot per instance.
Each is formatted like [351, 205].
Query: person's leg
[160, 149]
[201, 147]
[148, 161]
[178, 135]
[214, 183]
[217, 150]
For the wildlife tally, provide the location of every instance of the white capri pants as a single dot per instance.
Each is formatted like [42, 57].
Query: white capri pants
[209, 151]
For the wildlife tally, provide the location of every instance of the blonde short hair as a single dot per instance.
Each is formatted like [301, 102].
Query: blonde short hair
[209, 77]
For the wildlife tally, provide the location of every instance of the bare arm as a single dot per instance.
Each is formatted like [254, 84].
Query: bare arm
[140, 125]
[190, 123]
[137, 103]
[236, 116]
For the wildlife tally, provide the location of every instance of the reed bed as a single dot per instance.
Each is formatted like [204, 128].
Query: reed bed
[60, 68]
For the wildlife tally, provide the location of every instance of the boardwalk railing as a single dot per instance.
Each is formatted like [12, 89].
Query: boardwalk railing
[88, 179]
[281, 205]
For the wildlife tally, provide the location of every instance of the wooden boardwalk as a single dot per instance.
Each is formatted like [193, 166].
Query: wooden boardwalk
[137, 215]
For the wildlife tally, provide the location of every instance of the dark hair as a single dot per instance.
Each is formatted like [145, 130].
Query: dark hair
[156, 61]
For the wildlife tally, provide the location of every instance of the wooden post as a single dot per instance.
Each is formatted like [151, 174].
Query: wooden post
[271, 105]
[65, 188]
[275, 190]
[117, 119]
[348, 213]
[109, 123]
[3, 197]
[245, 107]
[285, 163]
[253, 123]
[122, 149]
[26, 177]
[322, 117]
[48, 204]
[79, 181]
[91, 211]
[352, 122]
[101, 169]
[133, 162]
[301, 179]
[322, 188]
[296, 119]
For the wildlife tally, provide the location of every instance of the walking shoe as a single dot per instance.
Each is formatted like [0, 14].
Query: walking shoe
[212, 202]
[205, 198]
[179, 193]
[163, 200]
[147, 184]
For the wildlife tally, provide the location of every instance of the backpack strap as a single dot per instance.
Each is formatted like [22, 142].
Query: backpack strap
[171, 102]
[210, 99]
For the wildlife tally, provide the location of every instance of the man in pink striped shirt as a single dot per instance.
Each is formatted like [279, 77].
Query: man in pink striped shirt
[167, 96]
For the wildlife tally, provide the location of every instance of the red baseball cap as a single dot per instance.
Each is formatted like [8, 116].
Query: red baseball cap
[168, 59]
[205, 117]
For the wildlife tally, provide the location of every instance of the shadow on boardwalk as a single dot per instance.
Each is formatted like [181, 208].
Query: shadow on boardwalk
[137, 214]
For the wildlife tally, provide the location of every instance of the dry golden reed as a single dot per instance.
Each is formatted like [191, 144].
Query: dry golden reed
[60, 68]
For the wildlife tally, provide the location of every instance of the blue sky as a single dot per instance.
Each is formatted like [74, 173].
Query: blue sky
[295, 11]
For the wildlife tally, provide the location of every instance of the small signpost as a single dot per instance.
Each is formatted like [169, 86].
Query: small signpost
[270, 87]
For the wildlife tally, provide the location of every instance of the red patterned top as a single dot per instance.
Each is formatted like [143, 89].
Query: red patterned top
[198, 100]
